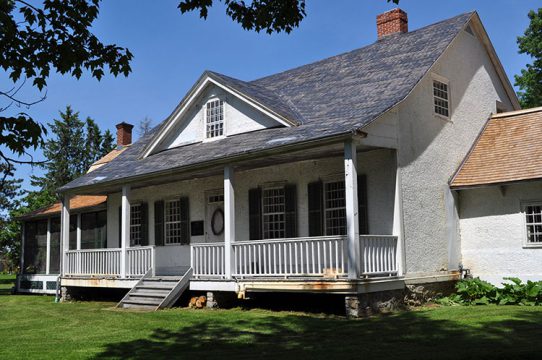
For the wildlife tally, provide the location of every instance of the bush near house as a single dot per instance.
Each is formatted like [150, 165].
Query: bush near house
[479, 292]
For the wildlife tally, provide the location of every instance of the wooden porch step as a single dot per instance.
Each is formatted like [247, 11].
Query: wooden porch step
[155, 292]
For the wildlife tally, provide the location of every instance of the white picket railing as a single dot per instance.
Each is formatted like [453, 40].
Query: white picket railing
[207, 259]
[139, 260]
[311, 256]
[378, 255]
[102, 262]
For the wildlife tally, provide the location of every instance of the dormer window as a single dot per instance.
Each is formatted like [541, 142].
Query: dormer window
[214, 119]
[441, 99]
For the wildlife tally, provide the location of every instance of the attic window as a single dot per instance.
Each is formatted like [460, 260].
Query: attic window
[214, 119]
[441, 98]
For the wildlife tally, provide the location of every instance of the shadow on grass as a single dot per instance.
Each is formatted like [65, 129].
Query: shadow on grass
[409, 335]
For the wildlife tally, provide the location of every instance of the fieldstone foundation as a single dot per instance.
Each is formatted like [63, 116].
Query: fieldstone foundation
[219, 299]
[363, 305]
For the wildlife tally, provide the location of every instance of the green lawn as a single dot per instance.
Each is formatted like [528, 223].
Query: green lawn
[35, 327]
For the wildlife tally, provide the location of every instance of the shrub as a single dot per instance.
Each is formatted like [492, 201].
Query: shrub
[479, 292]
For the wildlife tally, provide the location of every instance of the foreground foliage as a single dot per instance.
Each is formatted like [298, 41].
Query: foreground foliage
[479, 292]
[35, 327]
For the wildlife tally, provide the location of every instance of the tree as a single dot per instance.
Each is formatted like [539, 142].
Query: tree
[74, 146]
[108, 143]
[270, 16]
[36, 40]
[10, 190]
[144, 126]
[530, 80]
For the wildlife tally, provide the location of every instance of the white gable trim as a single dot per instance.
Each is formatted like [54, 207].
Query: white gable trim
[180, 111]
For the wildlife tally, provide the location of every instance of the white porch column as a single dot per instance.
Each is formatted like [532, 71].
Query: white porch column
[48, 248]
[398, 223]
[229, 219]
[125, 229]
[351, 198]
[78, 233]
[65, 231]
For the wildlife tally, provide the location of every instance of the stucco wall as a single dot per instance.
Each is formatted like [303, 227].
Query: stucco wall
[377, 165]
[431, 148]
[493, 232]
[239, 117]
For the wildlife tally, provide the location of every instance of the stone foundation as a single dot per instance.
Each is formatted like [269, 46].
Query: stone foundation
[220, 299]
[363, 305]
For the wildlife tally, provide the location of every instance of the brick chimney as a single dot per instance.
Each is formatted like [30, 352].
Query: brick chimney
[391, 22]
[124, 134]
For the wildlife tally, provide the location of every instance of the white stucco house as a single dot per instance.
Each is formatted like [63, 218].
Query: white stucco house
[331, 177]
[499, 192]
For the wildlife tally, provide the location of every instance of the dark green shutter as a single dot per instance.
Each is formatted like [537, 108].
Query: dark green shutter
[315, 192]
[290, 202]
[255, 213]
[185, 221]
[159, 223]
[144, 224]
[363, 215]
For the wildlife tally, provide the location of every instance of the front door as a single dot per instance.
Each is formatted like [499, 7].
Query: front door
[214, 221]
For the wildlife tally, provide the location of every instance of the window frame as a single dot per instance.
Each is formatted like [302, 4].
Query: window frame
[524, 205]
[263, 214]
[445, 81]
[326, 209]
[140, 225]
[214, 138]
[166, 222]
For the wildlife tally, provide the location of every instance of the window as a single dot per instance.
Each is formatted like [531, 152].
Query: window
[273, 213]
[441, 99]
[35, 247]
[54, 256]
[135, 225]
[334, 208]
[533, 221]
[173, 222]
[214, 119]
[94, 230]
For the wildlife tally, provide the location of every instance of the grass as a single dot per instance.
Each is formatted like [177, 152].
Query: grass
[35, 327]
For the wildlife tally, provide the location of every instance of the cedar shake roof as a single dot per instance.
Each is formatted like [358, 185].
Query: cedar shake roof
[81, 201]
[509, 149]
[76, 203]
[336, 96]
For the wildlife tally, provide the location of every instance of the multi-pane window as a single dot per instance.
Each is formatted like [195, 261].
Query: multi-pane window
[335, 208]
[273, 213]
[173, 221]
[214, 119]
[441, 98]
[135, 225]
[533, 220]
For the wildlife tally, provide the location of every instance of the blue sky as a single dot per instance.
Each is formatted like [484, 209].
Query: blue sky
[172, 50]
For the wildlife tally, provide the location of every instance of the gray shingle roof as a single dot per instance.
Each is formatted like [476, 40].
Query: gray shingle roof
[330, 97]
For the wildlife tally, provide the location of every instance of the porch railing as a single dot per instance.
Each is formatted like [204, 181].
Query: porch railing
[107, 262]
[378, 255]
[323, 256]
[104, 262]
[207, 259]
[311, 256]
[139, 260]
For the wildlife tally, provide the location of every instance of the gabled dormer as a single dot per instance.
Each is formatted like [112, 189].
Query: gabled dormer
[219, 106]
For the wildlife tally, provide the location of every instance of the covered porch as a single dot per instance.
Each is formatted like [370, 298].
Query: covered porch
[204, 219]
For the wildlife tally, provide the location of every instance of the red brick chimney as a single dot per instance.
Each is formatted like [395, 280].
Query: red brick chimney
[124, 134]
[391, 22]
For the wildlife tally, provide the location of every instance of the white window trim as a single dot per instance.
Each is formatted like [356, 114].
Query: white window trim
[324, 195]
[524, 204]
[139, 203]
[442, 79]
[204, 110]
[166, 222]
[277, 185]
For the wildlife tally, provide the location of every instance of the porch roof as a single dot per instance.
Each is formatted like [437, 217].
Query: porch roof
[333, 97]
[77, 203]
